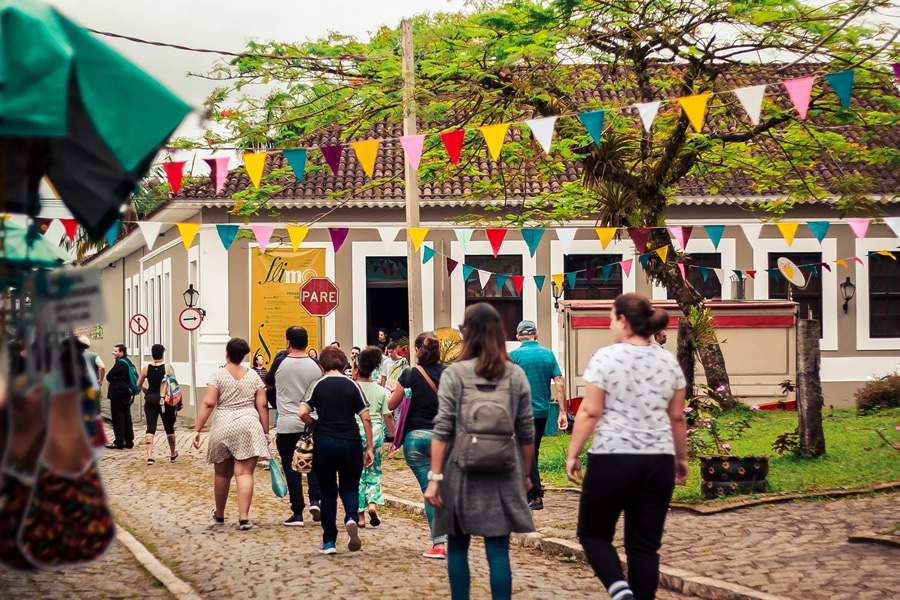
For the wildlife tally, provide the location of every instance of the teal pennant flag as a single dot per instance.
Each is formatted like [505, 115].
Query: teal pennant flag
[842, 84]
[819, 229]
[593, 122]
[297, 159]
[467, 270]
[532, 237]
[427, 254]
[227, 233]
[606, 270]
[714, 232]
[644, 260]
[704, 273]
[570, 279]
[500, 281]
[539, 281]
[112, 234]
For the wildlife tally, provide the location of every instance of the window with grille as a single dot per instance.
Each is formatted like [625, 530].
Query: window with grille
[884, 296]
[589, 282]
[505, 299]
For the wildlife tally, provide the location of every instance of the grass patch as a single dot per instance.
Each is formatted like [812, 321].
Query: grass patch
[855, 455]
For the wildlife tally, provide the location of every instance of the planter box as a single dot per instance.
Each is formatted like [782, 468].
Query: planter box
[733, 475]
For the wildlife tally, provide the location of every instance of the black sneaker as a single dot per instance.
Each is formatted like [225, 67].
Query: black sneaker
[536, 504]
[294, 521]
[316, 513]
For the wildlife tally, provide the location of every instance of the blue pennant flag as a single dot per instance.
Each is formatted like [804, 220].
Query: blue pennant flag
[467, 270]
[704, 273]
[593, 122]
[500, 281]
[532, 237]
[842, 84]
[112, 234]
[739, 274]
[714, 232]
[773, 274]
[570, 279]
[606, 270]
[645, 260]
[539, 281]
[297, 160]
[811, 269]
[819, 229]
[227, 233]
[427, 254]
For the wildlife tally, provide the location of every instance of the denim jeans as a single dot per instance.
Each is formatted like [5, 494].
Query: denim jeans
[497, 550]
[417, 452]
[338, 464]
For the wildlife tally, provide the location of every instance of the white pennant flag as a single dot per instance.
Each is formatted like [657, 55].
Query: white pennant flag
[720, 274]
[542, 130]
[751, 230]
[648, 111]
[484, 277]
[388, 234]
[566, 235]
[751, 99]
[150, 231]
[894, 224]
[464, 236]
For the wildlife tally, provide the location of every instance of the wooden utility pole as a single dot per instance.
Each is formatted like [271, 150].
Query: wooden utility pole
[413, 266]
[809, 389]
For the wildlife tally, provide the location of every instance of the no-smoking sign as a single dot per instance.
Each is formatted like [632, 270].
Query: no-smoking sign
[138, 324]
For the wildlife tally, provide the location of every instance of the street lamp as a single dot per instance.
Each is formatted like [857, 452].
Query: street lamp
[847, 291]
[190, 296]
[557, 294]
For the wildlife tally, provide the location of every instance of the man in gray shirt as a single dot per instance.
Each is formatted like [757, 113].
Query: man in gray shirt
[291, 377]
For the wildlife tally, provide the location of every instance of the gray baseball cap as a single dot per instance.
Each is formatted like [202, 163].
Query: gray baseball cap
[526, 328]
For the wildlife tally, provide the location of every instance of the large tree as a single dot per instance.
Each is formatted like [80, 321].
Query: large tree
[512, 60]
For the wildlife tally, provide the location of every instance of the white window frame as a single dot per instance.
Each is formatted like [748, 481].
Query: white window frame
[828, 248]
[480, 248]
[132, 307]
[727, 251]
[863, 340]
[157, 298]
[361, 252]
[625, 247]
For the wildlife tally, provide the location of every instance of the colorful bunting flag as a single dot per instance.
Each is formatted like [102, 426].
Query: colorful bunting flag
[842, 84]
[388, 234]
[788, 231]
[227, 233]
[605, 235]
[495, 237]
[557, 280]
[714, 233]
[859, 260]
[366, 153]
[332, 156]
[893, 223]
[626, 266]
[739, 275]
[719, 273]
[825, 266]
[681, 234]
[412, 148]
[255, 164]
[467, 271]
[704, 273]
[896, 67]
[644, 260]
[150, 231]
[297, 233]
[566, 235]
[187, 231]
[483, 278]
[71, 228]
[681, 269]
[451, 266]
[662, 252]
[593, 122]
[887, 253]
[464, 236]
[571, 276]
[843, 263]
[532, 239]
[606, 270]
[518, 281]
[416, 235]
[539, 281]
[296, 158]
[640, 236]
[263, 234]
[799, 91]
[590, 273]
[695, 109]
[453, 143]
[859, 227]
[542, 130]
[112, 234]
[218, 172]
[819, 229]
[751, 231]
[751, 273]
[500, 281]
[338, 236]
[494, 136]
[174, 174]
[43, 224]
[751, 98]
[648, 112]
[427, 254]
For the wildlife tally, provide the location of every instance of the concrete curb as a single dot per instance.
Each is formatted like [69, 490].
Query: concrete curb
[677, 580]
[179, 588]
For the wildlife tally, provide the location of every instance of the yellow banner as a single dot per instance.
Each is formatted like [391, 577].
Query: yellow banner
[275, 280]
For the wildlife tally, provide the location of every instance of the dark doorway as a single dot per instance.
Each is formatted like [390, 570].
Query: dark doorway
[386, 295]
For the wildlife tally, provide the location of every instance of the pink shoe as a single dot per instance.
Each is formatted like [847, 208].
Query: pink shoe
[436, 553]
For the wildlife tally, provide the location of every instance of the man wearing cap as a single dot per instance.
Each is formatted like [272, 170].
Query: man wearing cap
[541, 368]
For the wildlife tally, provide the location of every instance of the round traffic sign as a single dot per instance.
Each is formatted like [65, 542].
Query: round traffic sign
[190, 318]
[319, 296]
[138, 324]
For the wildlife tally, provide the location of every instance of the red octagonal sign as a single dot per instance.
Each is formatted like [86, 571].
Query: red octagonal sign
[319, 296]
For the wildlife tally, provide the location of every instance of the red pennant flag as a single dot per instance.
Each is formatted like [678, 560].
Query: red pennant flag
[71, 227]
[641, 237]
[518, 280]
[174, 172]
[496, 237]
[590, 272]
[751, 273]
[451, 264]
[453, 143]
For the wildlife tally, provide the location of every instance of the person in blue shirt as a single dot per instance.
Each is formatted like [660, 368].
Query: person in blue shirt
[541, 368]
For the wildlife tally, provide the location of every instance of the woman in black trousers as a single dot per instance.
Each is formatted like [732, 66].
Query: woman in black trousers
[634, 405]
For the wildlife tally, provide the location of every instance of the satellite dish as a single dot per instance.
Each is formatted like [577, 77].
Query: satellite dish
[791, 272]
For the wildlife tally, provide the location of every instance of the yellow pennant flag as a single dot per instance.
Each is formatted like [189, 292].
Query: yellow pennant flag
[297, 233]
[662, 252]
[788, 231]
[255, 164]
[366, 152]
[557, 280]
[695, 109]
[188, 231]
[494, 136]
[842, 263]
[605, 235]
[416, 235]
[887, 253]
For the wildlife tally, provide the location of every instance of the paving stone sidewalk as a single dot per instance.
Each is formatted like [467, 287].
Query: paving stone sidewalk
[796, 549]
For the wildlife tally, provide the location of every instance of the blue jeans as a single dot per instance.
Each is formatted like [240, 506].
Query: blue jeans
[497, 549]
[337, 459]
[417, 452]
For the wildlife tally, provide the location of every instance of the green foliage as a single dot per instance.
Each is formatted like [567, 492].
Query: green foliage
[787, 443]
[712, 430]
[879, 394]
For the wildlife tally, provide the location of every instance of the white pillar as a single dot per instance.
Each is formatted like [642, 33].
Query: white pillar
[213, 286]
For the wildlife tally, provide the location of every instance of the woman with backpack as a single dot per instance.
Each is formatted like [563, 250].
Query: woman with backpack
[634, 405]
[155, 405]
[420, 386]
[483, 439]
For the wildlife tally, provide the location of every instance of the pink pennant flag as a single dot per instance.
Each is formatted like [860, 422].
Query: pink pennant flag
[681, 268]
[626, 266]
[218, 171]
[799, 91]
[859, 227]
[412, 146]
[859, 260]
[262, 233]
[681, 235]
[174, 173]
[338, 235]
